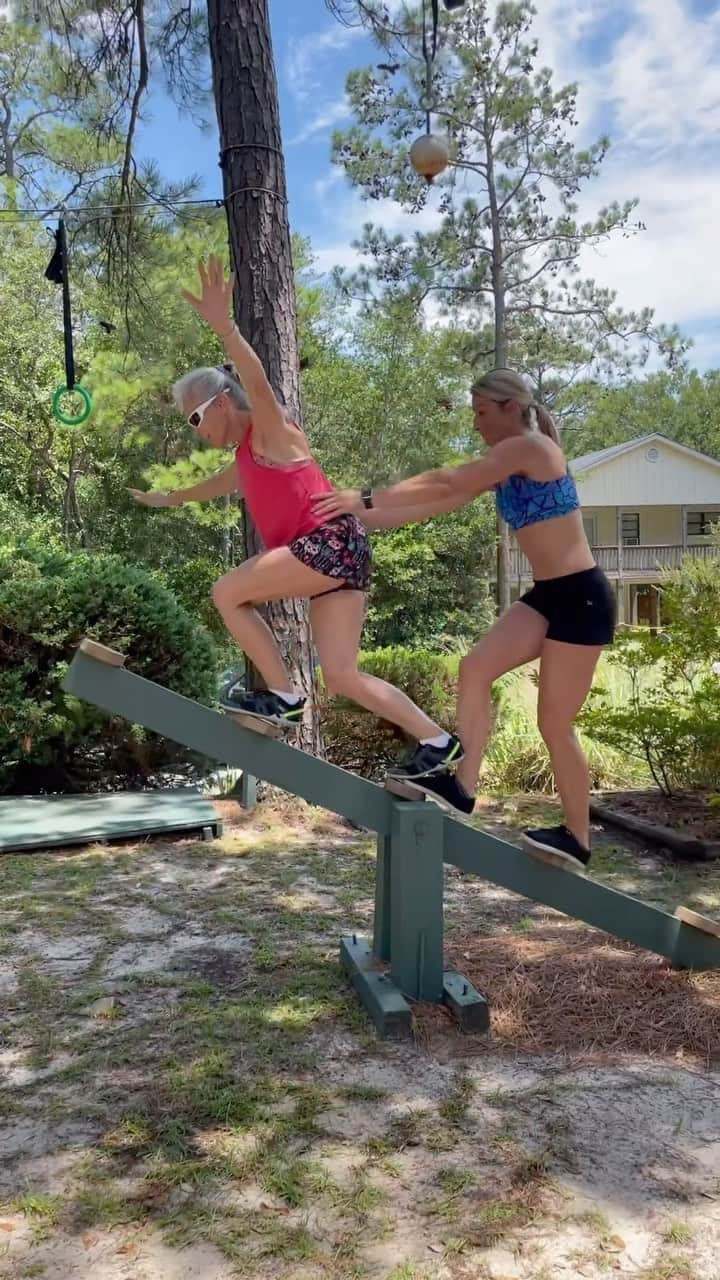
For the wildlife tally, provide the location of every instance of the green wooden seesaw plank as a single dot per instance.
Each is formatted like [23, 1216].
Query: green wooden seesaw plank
[616, 913]
[47, 822]
[219, 737]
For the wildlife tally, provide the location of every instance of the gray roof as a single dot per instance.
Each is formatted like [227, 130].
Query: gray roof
[588, 460]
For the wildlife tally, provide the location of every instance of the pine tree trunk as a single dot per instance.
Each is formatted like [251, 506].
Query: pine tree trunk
[253, 167]
[503, 533]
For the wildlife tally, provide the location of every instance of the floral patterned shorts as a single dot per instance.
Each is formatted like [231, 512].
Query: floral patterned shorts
[339, 549]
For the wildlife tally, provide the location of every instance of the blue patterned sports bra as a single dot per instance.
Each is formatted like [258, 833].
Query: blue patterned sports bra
[522, 501]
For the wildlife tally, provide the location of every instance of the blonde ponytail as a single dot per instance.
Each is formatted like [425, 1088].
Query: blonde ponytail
[504, 384]
[545, 422]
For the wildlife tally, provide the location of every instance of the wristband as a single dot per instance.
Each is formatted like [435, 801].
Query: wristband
[367, 498]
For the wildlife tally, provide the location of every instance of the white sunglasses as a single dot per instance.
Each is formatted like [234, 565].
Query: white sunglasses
[195, 418]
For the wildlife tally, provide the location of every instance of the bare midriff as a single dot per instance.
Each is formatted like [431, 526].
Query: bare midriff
[556, 547]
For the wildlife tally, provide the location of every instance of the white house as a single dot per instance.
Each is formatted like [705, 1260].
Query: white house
[646, 504]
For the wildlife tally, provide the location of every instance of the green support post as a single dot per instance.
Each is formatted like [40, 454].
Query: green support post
[416, 900]
[248, 790]
[381, 932]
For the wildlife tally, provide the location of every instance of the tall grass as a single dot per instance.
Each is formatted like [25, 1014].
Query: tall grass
[517, 758]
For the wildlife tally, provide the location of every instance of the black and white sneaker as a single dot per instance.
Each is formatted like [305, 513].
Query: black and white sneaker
[445, 790]
[561, 843]
[426, 759]
[262, 704]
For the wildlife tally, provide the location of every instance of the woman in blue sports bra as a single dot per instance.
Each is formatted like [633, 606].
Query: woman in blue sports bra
[565, 620]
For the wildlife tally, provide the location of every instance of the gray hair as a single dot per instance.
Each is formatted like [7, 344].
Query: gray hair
[504, 384]
[201, 384]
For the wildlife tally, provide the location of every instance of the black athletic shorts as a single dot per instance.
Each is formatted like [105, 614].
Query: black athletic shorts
[580, 608]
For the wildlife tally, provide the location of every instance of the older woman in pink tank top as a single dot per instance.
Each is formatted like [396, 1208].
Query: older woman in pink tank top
[308, 555]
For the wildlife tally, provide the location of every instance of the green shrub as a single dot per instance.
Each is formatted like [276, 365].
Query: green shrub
[50, 599]
[355, 739]
[191, 582]
[670, 718]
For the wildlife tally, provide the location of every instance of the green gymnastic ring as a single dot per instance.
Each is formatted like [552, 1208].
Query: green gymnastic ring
[65, 417]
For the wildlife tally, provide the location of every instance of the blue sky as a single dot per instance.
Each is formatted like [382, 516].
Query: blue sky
[648, 75]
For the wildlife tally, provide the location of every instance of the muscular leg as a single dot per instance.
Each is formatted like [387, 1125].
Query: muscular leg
[516, 638]
[337, 622]
[272, 575]
[566, 674]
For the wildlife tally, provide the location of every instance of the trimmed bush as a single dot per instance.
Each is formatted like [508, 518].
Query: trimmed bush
[50, 599]
[357, 740]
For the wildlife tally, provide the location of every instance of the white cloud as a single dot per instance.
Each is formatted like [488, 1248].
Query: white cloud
[326, 118]
[335, 255]
[309, 53]
[664, 80]
[673, 266]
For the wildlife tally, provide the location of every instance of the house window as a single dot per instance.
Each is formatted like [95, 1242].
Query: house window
[590, 526]
[699, 523]
[631, 528]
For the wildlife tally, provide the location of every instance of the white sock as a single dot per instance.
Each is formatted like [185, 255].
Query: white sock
[441, 741]
[291, 698]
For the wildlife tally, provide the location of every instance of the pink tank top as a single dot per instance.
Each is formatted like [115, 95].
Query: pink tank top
[278, 496]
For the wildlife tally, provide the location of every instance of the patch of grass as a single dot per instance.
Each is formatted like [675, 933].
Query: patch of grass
[289, 1180]
[670, 1267]
[455, 1107]
[286, 1243]
[677, 1233]
[358, 1197]
[39, 1205]
[362, 1093]
[409, 1271]
[596, 1221]
[503, 1140]
[454, 1184]
[102, 1206]
[188, 1223]
[44, 1047]
[525, 924]
[439, 1138]
[37, 991]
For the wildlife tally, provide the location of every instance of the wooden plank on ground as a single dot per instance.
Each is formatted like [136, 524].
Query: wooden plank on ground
[51, 822]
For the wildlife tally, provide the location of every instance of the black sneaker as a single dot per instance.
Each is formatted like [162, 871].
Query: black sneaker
[263, 704]
[445, 790]
[560, 842]
[426, 759]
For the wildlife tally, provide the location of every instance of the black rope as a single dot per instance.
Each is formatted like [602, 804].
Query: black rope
[57, 272]
[267, 190]
[428, 55]
[247, 146]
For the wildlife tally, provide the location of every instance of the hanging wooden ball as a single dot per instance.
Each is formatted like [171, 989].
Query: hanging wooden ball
[429, 156]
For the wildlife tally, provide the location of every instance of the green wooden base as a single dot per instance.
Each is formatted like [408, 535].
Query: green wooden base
[388, 1009]
[467, 1005]
[50, 822]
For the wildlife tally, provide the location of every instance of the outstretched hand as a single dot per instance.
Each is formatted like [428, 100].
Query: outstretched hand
[216, 296]
[340, 502]
[152, 499]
